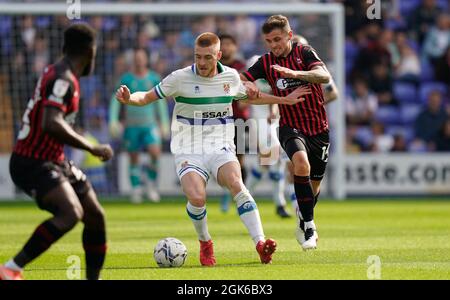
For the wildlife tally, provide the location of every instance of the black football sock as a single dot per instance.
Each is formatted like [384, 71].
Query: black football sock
[316, 198]
[305, 197]
[42, 238]
[94, 244]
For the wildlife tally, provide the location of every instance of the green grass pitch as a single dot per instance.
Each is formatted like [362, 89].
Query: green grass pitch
[410, 237]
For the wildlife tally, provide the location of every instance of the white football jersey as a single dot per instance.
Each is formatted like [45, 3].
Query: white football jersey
[202, 120]
[261, 111]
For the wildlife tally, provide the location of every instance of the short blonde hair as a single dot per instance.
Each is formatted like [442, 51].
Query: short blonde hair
[207, 39]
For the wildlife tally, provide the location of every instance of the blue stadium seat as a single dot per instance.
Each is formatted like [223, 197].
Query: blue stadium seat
[110, 23]
[349, 63]
[364, 135]
[351, 50]
[90, 85]
[395, 129]
[409, 112]
[428, 87]
[414, 45]
[406, 7]
[405, 131]
[409, 134]
[6, 23]
[443, 4]
[43, 21]
[427, 73]
[388, 115]
[348, 90]
[405, 92]
[395, 24]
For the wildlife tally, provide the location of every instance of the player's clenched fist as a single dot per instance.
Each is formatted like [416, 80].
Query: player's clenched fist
[285, 72]
[103, 151]
[252, 90]
[123, 94]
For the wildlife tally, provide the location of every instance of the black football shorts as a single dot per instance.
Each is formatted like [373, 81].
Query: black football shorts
[37, 177]
[316, 147]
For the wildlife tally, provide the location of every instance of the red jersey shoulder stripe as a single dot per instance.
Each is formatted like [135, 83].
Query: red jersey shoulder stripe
[249, 76]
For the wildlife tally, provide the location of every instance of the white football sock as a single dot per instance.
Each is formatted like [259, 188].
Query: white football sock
[199, 219]
[292, 196]
[310, 224]
[276, 175]
[11, 264]
[249, 214]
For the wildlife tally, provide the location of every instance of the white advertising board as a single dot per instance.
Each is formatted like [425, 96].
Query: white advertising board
[7, 190]
[398, 174]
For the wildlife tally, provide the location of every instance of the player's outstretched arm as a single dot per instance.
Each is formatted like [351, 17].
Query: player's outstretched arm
[243, 78]
[317, 74]
[124, 96]
[54, 124]
[293, 98]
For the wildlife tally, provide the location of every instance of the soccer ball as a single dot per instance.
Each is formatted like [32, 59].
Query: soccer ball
[170, 253]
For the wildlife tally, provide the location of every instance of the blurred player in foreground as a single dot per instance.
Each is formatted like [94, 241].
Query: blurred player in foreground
[38, 165]
[202, 137]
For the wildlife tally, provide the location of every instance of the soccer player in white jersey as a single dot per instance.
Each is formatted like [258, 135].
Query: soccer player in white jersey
[202, 137]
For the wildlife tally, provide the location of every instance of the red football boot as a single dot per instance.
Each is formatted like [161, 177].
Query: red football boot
[266, 249]
[207, 254]
[8, 274]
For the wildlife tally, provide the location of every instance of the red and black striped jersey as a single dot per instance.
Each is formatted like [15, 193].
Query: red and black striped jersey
[57, 87]
[239, 111]
[308, 116]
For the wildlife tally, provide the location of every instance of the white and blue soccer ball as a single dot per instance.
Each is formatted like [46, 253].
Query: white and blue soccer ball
[170, 253]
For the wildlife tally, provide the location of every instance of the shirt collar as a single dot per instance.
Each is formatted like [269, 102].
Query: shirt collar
[220, 68]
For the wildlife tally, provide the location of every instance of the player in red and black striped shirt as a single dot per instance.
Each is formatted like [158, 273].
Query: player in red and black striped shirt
[39, 168]
[303, 129]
